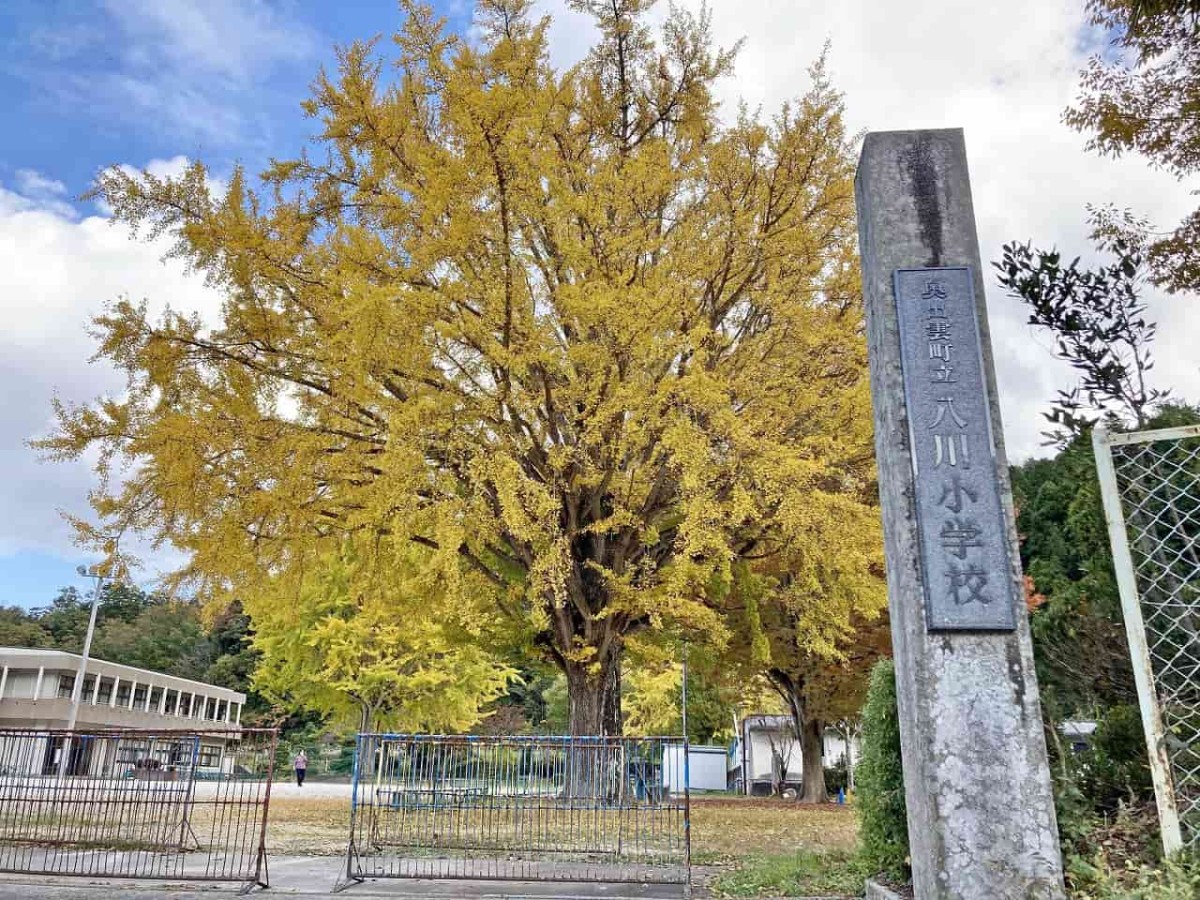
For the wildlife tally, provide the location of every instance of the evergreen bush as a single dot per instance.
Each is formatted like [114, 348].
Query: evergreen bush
[883, 821]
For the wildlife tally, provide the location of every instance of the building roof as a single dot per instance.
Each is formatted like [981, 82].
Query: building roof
[762, 721]
[61, 660]
[1080, 729]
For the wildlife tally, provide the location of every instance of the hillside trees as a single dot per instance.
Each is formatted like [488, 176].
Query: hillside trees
[581, 340]
[1078, 630]
[146, 629]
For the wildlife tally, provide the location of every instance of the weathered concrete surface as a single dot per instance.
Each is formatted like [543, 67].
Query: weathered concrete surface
[980, 813]
[314, 877]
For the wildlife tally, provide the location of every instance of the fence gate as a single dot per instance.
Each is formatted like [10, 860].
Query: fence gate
[1150, 482]
[135, 803]
[520, 808]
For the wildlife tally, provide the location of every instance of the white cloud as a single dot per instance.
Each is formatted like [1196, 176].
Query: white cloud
[228, 38]
[36, 192]
[1004, 73]
[34, 184]
[197, 70]
[56, 272]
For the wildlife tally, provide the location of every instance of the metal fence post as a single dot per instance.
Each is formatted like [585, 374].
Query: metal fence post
[352, 876]
[1139, 651]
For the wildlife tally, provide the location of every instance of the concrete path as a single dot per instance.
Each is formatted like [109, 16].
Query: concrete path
[313, 877]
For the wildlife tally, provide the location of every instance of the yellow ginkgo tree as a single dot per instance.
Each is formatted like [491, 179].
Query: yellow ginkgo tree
[578, 336]
[378, 647]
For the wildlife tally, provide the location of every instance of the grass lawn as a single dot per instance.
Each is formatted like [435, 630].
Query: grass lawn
[760, 847]
[803, 873]
[777, 848]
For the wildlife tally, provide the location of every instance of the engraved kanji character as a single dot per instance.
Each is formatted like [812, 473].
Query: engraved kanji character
[937, 331]
[970, 579]
[940, 350]
[946, 408]
[952, 452]
[954, 491]
[944, 374]
[935, 294]
[934, 289]
[959, 535]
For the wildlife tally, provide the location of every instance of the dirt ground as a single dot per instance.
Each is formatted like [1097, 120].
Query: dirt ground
[723, 829]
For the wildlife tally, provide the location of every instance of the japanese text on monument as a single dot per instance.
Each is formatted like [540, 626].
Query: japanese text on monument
[964, 550]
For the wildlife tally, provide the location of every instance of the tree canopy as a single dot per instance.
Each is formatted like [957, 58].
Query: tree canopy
[1141, 95]
[383, 649]
[582, 341]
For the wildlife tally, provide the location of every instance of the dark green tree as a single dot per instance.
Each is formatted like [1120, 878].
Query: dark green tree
[19, 629]
[1098, 322]
[164, 637]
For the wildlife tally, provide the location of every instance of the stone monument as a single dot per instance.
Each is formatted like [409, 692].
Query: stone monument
[980, 811]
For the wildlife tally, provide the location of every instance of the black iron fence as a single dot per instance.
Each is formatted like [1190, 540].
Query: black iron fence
[520, 808]
[136, 803]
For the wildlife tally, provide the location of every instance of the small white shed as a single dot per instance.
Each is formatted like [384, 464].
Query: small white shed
[764, 735]
[708, 768]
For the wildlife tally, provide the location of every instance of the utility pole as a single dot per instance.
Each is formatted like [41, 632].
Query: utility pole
[76, 693]
[64, 764]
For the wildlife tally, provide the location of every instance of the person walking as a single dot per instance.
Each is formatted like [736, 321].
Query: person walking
[301, 764]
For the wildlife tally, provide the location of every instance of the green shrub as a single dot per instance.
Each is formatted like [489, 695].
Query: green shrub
[1175, 879]
[836, 777]
[1116, 769]
[1073, 808]
[883, 822]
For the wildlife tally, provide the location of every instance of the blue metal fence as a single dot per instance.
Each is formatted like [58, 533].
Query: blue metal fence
[528, 808]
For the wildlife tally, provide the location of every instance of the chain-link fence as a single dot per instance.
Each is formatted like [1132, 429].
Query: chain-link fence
[1150, 482]
[524, 808]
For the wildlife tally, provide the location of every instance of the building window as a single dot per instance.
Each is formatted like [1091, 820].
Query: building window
[210, 711]
[185, 704]
[155, 698]
[105, 695]
[139, 696]
[210, 756]
[172, 699]
[66, 685]
[129, 753]
[123, 694]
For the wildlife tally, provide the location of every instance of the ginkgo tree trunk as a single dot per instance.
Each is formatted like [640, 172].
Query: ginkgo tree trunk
[813, 640]
[577, 334]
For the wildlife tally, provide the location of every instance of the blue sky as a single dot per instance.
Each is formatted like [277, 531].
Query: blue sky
[90, 83]
[152, 83]
[93, 82]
